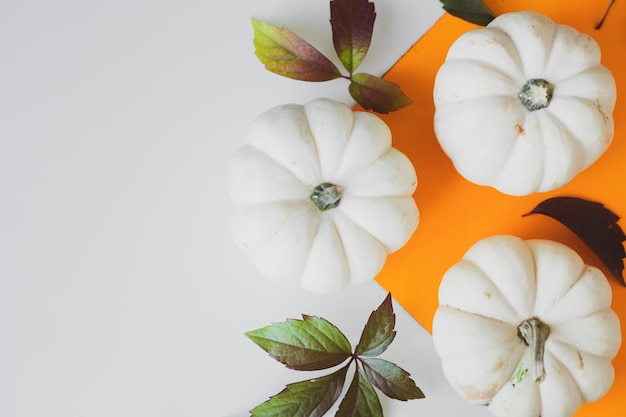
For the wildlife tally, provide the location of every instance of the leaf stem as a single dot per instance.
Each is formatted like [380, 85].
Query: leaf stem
[606, 13]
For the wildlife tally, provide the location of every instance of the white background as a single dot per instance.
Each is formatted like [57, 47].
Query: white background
[121, 291]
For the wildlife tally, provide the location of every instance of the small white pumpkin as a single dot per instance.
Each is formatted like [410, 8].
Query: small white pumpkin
[523, 105]
[526, 328]
[320, 196]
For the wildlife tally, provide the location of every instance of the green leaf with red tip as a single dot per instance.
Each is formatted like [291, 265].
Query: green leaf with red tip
[473, 11]
[392, 380]
[379, 331]
[311, 398]
[352, 23]
[374, 93]
[361, 399]
[304, 345]
[314, 343]
[287, 54]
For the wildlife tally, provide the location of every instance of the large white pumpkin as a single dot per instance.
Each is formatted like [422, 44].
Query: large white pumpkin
[524, 104]
[320, 195]
[526, 328]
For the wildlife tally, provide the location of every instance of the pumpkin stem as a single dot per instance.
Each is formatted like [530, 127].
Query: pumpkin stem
[535, 333]
[326, 196]
[536, 94]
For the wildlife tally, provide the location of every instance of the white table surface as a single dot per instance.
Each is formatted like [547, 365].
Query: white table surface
[121, 291]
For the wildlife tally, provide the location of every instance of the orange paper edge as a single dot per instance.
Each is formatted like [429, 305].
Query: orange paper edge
[455, 213]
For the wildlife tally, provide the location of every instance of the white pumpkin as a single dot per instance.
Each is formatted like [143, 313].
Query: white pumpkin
[526, 328]
[320, 196]
[523, 105]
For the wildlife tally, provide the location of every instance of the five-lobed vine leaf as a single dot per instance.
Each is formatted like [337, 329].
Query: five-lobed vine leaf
[594, 224]
[314, 343]
[352, 23]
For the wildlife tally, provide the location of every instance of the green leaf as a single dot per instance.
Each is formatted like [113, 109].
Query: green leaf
[378, 332]
[285, 53]
[361, 399]
[352, 23]
[311, 398]
[473, 11]
[305, 345]
[392, 380]
[376, 94]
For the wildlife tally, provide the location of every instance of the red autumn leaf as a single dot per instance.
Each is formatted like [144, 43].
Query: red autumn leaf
[352, 23]
[594, 224]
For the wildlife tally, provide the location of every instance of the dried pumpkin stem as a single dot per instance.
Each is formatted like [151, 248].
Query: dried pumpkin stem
[534, 333]
[536, 94]
[327, 196]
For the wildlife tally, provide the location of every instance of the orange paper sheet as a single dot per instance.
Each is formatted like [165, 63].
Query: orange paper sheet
[455, 213]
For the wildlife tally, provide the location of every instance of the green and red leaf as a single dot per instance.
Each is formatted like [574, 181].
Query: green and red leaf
[352, 23]
[361, 399]
[374, 93]
[473, 11]
[392, 380]
[305, 345]
[311, 398]
[379, 330]
[314, 343]
[287, 54]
